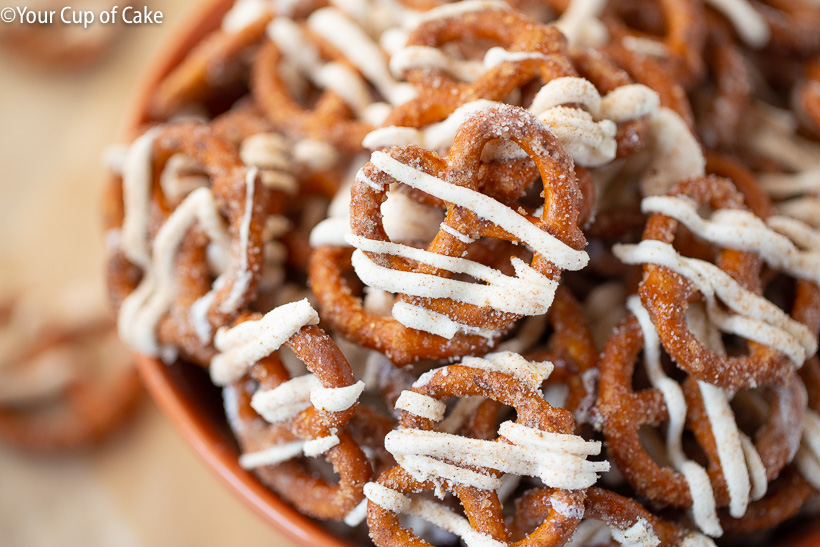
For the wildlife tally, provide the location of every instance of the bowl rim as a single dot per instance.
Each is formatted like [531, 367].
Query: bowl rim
[222, 456]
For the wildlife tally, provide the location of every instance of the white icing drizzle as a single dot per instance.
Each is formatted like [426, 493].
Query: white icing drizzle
[747, 21]
[457, 9]
[270, 153]
[285, 400]
[587, 135]
[410, 57]
[754, 317]
[530, 293]
[421, 405]
[784, 185]
[315, 155]
[361, 51]
[645, 46]
[336, 399]
[743, 230]
[283, 452]
[142, 310]
[531, 373]
[136, 188]
[581, 25]
[675, 153]
[243, 14]
[420, 318]
[245, 344]
[559, 460]
[700, 488]
[808, 456]
[486, 207]
[640, 534]
[430, 511]
[181, 176]
[695, 539]
[357, 515]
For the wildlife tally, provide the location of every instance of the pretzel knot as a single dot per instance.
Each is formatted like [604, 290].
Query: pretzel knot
[56, 392]
[628, 523]
[584, 121]
[435, 301]
[307, 413]
[539, 443]
[777, 343]
[700, 408]
[334, 55]
[172, 296]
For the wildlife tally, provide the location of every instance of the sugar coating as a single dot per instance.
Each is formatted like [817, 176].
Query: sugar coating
[753, 317]
[245, 344]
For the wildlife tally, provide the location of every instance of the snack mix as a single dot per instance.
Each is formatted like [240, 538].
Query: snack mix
[529, 273]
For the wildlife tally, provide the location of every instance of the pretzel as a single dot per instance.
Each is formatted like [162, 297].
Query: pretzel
[505, 378]
[793, 25]
[666, 297]
[625, 411]
[51, 403]
[315, 409]
[583, 121]
[151, 315]
[681, 34]
[722, 105]
[212, 65]
[560, 215]
[627, 520]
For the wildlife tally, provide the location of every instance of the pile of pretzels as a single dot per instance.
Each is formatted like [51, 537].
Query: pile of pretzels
[544, 272]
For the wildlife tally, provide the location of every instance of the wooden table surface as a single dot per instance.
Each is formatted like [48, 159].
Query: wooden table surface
[145, 487]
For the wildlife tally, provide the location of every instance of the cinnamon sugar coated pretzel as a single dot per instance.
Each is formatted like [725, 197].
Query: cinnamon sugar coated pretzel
[525, 273]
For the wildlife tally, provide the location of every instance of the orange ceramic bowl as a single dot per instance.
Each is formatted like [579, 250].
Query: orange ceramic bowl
[184, 392]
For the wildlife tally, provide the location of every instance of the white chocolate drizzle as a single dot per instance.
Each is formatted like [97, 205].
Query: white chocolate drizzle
[270, 153]
[640, 534]
[245, 344]
[283, 452]
[703, 500]
[428, 510]
[750, 315]
[743, 230]
[136, 188]
[142, 310]
[808, 456]
[747, 21]
[581, 23]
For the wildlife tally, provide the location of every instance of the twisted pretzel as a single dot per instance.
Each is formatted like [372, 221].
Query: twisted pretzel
[625, 410]
[290, 423]
[55, 404]
[625, 517]
[666, 297]
[677, 26]
[153, 314]
[516, 388]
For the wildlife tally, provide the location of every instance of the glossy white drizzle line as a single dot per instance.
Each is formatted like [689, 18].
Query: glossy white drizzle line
[357, 515]
[771, 132]
[581, 25]
[360, 49]
[743, 230]
[561, 254]
[271, 154]
[421, 318]
[284, 452]
[640, 534]
[559, 460]
[754, 317]
[433, 512]
[243, 14]
[808, 456]
[421, 405]
[136, 188]
[181, 176]
[531, 373]
[747, 21]
[784, 185]
[704, 507]
[675, 153]
[142, 310]
[245, 344]
[530, 293]
[587, 135]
